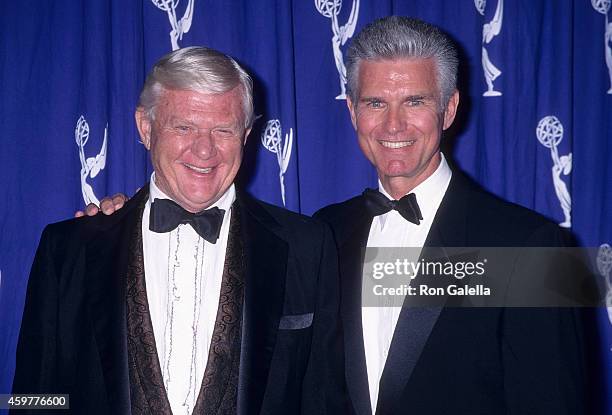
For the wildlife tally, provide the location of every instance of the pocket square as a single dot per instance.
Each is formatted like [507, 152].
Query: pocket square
[295, 321]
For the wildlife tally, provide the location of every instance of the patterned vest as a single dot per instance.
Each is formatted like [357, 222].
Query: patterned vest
[218, 392]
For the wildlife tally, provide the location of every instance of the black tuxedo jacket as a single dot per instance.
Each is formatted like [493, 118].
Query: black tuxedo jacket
[463, 360]
[73, 332]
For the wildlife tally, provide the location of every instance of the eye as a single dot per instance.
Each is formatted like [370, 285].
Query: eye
[182, 129]
[224, 132]
[374, 103]
[416, 101]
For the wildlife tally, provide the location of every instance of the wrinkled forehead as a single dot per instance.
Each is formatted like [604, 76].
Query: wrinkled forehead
[191, 103]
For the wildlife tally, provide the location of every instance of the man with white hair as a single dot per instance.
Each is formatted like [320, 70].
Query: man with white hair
[436, 359]
[194, 298]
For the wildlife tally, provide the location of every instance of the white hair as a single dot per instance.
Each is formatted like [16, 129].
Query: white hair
[197, 69]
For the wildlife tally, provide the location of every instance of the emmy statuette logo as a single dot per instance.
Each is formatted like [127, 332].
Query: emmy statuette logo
[604, 266]
[489, 31]
[272, 140]
[603, 7]
[331, 9]
[179, 27]
[91, 166]
[550, 134]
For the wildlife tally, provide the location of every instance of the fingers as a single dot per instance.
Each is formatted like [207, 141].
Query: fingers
[108, 206]
[91, 210]
[112, 204]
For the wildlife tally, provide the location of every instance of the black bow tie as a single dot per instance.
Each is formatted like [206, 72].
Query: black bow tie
[166, 215]
[407, 206]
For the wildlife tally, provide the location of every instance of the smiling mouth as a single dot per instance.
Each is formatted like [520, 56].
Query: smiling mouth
[198, 169]
[396, 144]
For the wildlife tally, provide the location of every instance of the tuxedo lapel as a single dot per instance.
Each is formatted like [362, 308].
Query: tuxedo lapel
[416, 323]
[351, 255]
[219, 388]
[411, 333]
[266, 267]
[449, 227]
[106, 260]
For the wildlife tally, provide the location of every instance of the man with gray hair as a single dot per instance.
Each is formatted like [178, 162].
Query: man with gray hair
[402, 95]
[195, 298]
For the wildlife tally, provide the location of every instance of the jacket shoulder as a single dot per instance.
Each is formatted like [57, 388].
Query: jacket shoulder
[289, 224]
[509, 223]
[77, 231]
[343, 214]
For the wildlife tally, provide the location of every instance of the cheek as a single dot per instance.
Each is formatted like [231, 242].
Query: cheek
[367, 147]
[431, 123]
[366, 128]
[165, 152]
[232, 153]
[174, 147]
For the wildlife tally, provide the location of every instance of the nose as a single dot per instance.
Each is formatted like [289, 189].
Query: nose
[203, 145]
[394, 120]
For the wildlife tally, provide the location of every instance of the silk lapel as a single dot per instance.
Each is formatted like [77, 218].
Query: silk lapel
[266, 267]
[218, 391]
[148, 393]
[351, 252]
[411, 333]
[449, 227]
[106, 267]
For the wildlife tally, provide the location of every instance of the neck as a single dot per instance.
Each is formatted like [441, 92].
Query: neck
[399, 186]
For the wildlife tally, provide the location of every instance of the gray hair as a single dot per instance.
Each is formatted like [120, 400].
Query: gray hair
[397, 37]
[197, 69]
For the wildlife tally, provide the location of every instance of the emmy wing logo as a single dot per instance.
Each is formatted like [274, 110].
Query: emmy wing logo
[603, 7]
[604, 266]
[331, 9]
[179, 27]
[90, 167]
[272, 140]
[550, 134]
[489, 31]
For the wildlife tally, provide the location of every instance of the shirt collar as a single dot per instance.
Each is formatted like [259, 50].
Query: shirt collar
[224, 202]
[429, 193]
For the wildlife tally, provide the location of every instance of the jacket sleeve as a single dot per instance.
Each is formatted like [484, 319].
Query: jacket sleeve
[543, 348]
[36, 363]
[324, 390]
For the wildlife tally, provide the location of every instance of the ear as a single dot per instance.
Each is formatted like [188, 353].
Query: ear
[451, 110]
[143, 124]
[246, 136]
[352, 111]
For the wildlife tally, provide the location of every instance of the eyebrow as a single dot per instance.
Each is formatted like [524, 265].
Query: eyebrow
[369, 99]
[414, 97]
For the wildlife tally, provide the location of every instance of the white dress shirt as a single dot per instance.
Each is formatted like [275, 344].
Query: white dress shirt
[393, 231]
[183, 277]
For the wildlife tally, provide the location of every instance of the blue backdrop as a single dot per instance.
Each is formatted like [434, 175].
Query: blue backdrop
[534, 124]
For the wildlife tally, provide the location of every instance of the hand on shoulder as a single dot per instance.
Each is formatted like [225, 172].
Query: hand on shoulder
[108, 206]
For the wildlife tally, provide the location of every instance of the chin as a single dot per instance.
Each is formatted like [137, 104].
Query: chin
[196, 198]
[399, 171]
